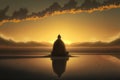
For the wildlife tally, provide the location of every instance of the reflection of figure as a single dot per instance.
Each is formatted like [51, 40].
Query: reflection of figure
[59, 65]
[59, 48]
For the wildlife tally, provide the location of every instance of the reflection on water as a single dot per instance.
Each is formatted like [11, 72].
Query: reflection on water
[59, 65]
[82, 67]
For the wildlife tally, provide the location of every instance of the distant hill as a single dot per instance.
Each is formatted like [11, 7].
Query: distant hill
[12, 43]
[6, 41]
[115, 42]
[9, 42]
[89, 44]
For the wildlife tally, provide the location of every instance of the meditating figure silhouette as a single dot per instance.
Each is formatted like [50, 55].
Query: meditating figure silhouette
[59, 48]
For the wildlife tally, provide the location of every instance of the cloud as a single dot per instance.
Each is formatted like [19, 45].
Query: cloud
[3, 12]
[89, 4]
[72, 4]
[56, 9]
[113, 2]
[20, 14]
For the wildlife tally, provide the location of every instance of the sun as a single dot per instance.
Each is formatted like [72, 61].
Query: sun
[67, 42]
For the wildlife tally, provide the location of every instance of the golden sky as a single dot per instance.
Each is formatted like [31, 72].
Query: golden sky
[79, 27]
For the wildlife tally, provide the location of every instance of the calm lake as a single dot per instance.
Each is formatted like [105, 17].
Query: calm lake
[78, 67]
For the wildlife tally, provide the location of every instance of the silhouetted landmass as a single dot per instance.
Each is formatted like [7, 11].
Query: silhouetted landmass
[9, 42]
[115, 42]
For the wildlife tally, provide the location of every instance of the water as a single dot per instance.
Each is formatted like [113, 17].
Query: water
[79, 67]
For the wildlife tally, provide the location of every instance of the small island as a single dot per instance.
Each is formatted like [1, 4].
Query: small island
[59, 49]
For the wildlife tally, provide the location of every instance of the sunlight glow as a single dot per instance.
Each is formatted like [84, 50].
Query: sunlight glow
[65, 41]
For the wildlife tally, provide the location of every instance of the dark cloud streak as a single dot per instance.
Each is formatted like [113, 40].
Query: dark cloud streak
[3, 13]
[113, 2]
[72, 4]
[55, 8]
[89, 4]
[20, 14]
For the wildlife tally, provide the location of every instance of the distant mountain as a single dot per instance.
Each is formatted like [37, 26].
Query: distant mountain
[115, 42]
[9, 42]
[89, 44]
[6, 41]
